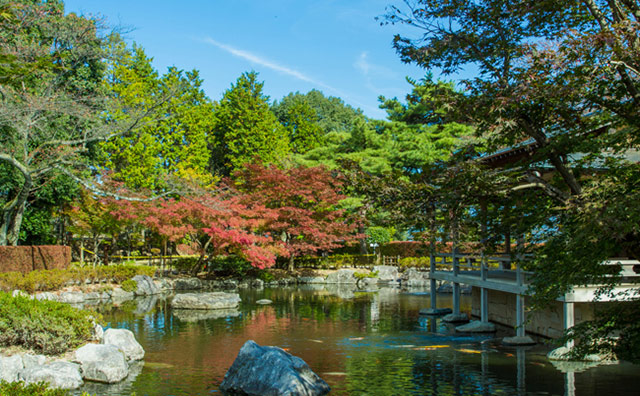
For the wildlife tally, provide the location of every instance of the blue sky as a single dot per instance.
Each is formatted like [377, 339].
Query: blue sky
[335, 46]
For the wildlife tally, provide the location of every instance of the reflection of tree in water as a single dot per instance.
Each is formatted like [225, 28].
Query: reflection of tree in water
[407, 372]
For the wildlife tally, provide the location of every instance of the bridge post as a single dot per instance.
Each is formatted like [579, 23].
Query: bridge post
[569, 320]
[484, 293]
[432, 281]
[456, 285]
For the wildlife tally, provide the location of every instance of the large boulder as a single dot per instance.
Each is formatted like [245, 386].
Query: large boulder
[126, 341]
[146, 286]
[29, 360]
[102, 363]
[10, 366]
[386, 273]
[311, 279]
[63, 375]
[187, 284]
[341, 276]
[215, 300]
[71, 297]
[119, 296]
[415, 277]
[270, 371]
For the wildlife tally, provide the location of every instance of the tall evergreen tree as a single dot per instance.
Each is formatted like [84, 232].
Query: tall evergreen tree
[245, 128]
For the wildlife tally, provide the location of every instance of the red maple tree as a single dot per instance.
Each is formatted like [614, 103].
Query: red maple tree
[304, 205]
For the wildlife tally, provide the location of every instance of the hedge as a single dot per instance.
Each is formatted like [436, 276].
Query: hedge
[28, 258]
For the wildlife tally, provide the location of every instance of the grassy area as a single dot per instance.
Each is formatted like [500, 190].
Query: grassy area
[48, 280]
[40, 389]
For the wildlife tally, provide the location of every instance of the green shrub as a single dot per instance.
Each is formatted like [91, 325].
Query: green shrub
[184, 264]
[415, 262]
[20, 389]
[47, 280]
[39, 389]
[363, 275]
[129, 285]
[48, 327]
[229, 265]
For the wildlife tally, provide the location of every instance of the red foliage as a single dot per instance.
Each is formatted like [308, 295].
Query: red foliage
[300, 206]
[218, 215]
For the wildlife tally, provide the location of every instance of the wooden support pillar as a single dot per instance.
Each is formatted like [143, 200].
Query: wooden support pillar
[520, 316]
[432, 281]
[569, 320]
[484, 293]
[456, 285]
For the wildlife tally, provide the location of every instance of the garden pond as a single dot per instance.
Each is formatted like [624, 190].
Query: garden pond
[361, 343]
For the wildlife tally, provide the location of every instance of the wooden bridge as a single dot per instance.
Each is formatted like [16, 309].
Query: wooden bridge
[474, 270]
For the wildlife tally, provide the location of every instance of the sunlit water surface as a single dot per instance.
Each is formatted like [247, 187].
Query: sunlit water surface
[361, 343]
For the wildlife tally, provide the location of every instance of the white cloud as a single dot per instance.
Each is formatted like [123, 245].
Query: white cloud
[266, 63]
[253, 58]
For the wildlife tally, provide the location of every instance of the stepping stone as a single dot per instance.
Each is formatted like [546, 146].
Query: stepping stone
[477, 326]
[455, 318]
[264, 301]
[518, 341]
[436, 311]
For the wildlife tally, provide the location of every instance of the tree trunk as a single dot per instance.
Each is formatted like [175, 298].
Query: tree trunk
[292, 259]
[11, 223]
[363, 241]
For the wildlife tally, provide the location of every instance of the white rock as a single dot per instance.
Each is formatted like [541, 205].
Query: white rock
[126, 341]
[71, 297]
[342, 276]
[102, 363]
[386, 273]
[9, 367]
[146, 286]
[216, 300]
[29, 360]
[264, 301]
[63, 375]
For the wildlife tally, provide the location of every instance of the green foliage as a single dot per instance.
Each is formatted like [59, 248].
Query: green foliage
[174, 146]
[414, 262]
[129, 285]
[48, 280]
[363, 275]
[245, 129]
[380, 235]
[229, 265]
[331, 113]
[48, 327]
[38, 389]
[184, 264]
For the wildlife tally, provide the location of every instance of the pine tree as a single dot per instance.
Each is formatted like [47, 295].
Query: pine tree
[245, 129]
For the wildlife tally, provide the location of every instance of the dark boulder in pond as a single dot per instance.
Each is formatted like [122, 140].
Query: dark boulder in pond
[270, 371]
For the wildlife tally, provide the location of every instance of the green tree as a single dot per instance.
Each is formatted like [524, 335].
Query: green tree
[301, 122]
[561, 77]
[245, 128]
[165, 149]
[333, 115]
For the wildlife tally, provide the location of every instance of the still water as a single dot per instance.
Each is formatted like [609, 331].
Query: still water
[361, 343]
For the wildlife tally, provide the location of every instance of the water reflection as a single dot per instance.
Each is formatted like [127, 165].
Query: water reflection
[361, 343]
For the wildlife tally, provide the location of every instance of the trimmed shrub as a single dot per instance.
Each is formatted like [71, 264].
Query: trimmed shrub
[47, 280]
[28, 258]
[129, 285]
[47, 327]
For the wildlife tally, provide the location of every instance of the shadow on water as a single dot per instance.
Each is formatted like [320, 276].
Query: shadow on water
[361, 343]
